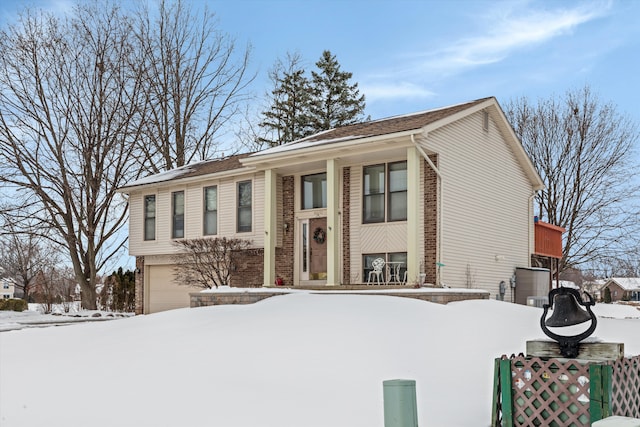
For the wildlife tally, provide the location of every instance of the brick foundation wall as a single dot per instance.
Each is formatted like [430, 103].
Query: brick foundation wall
[346, 227]
[248, 269]
[284, 254]
[139, 285]
[430, 220]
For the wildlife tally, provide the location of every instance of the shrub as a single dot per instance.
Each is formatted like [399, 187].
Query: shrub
[13, 304]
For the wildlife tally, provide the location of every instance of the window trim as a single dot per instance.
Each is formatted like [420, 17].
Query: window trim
[205, 211]
[239, 208]
[146, 217]
[175, 216]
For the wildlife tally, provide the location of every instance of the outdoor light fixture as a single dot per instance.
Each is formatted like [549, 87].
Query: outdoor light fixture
[567, 312]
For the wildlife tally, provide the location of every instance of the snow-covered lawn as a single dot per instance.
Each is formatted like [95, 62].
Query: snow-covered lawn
[297, 360]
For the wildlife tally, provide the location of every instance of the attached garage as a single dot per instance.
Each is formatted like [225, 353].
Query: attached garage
[161, 292]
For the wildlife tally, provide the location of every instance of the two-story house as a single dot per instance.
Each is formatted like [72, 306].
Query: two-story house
[445, 195]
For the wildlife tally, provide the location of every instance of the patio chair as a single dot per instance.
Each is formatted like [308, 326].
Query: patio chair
[376, 273]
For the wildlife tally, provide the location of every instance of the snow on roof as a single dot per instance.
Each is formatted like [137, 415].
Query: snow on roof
[162, 176]
[204, 167]
[627, 283]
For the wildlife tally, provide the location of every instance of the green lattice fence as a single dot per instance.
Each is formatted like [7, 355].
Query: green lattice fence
[532, 391]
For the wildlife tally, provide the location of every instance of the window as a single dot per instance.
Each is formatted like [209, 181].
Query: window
[210, 211]
[376, 197]
[397, 204]
[150, 217]
[244, 206]
[373, 194]
[177, 203]
[5, 286]
[314, 191]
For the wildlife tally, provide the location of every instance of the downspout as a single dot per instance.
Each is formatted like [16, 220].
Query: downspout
[440, 216]
[532, 212]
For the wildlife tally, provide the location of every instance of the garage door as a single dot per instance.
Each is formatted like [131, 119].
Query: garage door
[162, 293]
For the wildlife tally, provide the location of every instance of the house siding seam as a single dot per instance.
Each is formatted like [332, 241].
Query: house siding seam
[285, 254]
[346, 228]
[430, 220]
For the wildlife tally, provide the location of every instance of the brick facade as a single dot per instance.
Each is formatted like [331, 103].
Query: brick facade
[346, 228]
[248, 269]
[284, 254]
[430, 220]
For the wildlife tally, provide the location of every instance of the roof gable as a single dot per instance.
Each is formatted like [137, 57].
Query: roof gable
[626, 283]
[373, 128]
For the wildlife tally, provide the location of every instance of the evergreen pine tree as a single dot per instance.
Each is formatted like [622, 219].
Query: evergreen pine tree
[287, 119]
[335, 102]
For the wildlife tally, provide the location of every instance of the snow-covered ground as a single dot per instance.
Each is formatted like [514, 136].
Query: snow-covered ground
[297, 360]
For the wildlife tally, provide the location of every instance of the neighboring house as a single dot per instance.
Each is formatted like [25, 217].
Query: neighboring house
[7, 288]
[446, 193]
[624, 288]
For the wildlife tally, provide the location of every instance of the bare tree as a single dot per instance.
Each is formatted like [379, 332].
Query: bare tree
[583, 149]
[205, 263]
[196, 79]
[70, 116]
[24, 254]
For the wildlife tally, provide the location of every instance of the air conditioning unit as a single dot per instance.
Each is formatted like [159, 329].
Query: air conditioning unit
[537, 301]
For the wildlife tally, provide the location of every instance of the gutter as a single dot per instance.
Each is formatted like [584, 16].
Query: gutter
[440, 215]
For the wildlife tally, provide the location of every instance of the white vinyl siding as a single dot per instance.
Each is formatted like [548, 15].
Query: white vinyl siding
[194, 214]
[485, 205]
[385, 237]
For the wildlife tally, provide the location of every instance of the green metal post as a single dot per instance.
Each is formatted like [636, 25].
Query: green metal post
[400, 407]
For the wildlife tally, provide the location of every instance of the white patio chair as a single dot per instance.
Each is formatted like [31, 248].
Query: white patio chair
[378, 266]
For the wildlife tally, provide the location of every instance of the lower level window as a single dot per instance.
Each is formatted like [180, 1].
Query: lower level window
[394, 269]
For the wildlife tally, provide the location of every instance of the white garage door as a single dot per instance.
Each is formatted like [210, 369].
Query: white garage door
[162, 293]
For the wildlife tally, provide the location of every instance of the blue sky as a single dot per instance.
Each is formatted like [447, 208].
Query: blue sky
[410, 55]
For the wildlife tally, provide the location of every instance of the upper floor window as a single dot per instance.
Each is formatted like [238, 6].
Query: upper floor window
[314, 191]
[385, 192]
[177, 209]
[210, 211]
[244, 206]
[150, 217]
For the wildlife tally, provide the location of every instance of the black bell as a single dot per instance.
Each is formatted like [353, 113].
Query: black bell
[566, 311]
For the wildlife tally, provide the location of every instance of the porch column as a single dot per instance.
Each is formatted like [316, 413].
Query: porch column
[413, 210]
[333, 223]
[269, 227]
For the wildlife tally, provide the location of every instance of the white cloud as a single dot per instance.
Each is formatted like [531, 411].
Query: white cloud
[506, 29]
[390, 90]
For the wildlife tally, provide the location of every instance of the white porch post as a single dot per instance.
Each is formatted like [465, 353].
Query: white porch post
[413, 200]
[269, 227]
[333, 223]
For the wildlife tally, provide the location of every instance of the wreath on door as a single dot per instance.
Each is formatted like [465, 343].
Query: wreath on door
[319, 235]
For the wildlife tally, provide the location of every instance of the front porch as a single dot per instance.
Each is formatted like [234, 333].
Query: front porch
[229, 296]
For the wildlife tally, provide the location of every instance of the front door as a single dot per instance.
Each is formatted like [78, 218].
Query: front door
[313, 246]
